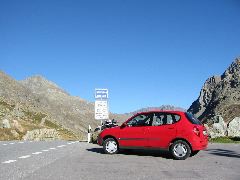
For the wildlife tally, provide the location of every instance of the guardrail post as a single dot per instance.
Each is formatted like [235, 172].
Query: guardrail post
[89, 134]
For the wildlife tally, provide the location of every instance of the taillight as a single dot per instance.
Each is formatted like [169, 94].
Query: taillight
[196, 131]
[205, 132]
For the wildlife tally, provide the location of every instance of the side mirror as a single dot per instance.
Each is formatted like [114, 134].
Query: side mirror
[123, 125]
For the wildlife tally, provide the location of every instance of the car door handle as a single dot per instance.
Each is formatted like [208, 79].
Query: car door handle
[171, 128]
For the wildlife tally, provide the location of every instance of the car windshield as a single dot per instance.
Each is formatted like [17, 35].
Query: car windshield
[192, 118]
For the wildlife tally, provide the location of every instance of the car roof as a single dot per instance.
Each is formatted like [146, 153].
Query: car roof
[161, 111]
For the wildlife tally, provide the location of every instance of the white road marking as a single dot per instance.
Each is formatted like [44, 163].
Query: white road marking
[24, 157]
[36, 153]
[9, 161]
[61, 146]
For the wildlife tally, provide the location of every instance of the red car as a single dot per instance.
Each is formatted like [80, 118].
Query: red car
[178, 132]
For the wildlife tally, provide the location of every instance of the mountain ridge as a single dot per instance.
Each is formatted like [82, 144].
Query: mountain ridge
[162, 107]
[220, 95]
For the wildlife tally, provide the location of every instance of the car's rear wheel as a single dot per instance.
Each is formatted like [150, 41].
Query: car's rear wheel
[180, 150]
[110, 146]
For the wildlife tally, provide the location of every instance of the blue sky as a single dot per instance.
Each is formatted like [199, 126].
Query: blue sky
[147, 53]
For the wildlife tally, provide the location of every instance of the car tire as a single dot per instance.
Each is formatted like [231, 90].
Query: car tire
[194, 153]
[180, 150]
[110, 146]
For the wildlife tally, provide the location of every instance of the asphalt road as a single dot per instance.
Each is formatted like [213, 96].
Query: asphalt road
[57, 160]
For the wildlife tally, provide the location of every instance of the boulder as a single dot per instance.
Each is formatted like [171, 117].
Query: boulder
[218, 128]
[6, 124]
[234, 127]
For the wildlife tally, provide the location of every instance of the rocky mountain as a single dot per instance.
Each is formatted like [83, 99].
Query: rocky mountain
[21, 112]
[37, 104]
[72, 112]
[220, 95]
[13, 92]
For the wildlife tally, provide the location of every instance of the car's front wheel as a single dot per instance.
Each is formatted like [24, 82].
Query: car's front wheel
[110, 146]
[180, 150]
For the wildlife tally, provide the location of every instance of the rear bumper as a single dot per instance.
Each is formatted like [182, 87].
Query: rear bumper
[200, 145]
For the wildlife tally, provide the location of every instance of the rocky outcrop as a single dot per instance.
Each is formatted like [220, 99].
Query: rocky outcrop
[206, 94]
[220, 95]
[218, 128]
[234, 127]
[41, 134]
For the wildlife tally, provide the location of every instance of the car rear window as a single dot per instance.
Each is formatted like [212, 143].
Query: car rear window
[192, 118]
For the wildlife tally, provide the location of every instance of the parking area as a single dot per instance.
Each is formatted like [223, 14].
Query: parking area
[219, 161]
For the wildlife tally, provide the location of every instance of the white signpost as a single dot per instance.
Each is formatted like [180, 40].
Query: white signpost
[101, 110]
[101, 104]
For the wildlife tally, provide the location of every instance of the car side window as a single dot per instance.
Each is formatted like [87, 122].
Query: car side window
[140, 120]
[157, 119]
[169, 119]
[164, 118]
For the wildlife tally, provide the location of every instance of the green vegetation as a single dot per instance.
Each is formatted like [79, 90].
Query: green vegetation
[4, 107]
[64, 133]
[52, 125]
[225, 140]
[35, 117]
[4, 104]
[67, 135]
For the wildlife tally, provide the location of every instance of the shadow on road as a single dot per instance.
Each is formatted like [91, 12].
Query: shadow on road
[96, 150]
[224, 152]
[153, 153]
